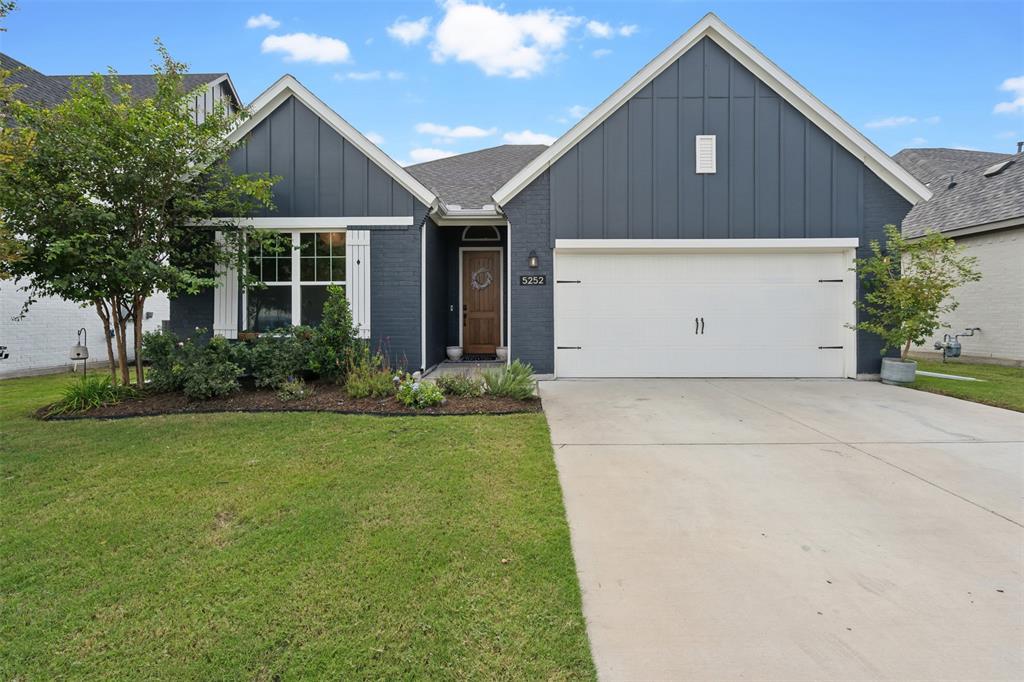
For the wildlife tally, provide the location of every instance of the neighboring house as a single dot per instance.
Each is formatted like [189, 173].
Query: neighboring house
[978, 199]
[41, 341]
[700, 222]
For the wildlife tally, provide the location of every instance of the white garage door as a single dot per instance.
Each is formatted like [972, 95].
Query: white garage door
[708, 313]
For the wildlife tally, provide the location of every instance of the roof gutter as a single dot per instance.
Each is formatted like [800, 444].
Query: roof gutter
[453, 214]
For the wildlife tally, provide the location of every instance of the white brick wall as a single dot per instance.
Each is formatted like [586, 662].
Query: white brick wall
[42, 340]
[996, 303]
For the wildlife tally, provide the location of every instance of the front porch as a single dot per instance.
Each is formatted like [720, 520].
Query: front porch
[465, 304]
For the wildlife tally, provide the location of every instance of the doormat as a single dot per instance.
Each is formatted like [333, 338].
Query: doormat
[479, 357]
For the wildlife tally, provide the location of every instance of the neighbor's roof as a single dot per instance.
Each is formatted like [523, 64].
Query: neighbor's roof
[52, 90]
[469, 180]
[971, 199]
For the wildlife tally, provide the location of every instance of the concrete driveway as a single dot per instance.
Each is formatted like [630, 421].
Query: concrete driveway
[792, 529]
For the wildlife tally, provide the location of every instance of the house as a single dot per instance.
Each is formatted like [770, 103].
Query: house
[978, 199]
[40, 341]
[702, 221]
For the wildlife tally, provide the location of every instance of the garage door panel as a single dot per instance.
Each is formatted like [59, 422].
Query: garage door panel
[764, 314]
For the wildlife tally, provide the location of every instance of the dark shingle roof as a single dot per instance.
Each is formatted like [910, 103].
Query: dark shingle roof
[52, 90]
[973, 198]
[469, 180]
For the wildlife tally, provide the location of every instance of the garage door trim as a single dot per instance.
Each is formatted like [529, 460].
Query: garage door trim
[848, 246]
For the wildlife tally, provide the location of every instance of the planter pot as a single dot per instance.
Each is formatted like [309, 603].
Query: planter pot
[898, 372]
[501, 352]
[454, 353]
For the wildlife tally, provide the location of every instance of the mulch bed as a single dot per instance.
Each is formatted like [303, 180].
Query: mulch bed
[326, 397]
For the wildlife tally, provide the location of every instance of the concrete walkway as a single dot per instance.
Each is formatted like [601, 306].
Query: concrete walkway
[792, 529]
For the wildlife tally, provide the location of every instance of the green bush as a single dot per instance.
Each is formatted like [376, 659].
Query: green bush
[207, 371]
[369, 381]
[162, 351]
[294, 389]
[88, 393]
[335, 341]
[418, 393]
[461, 385]
[515, 381]
[280, 355]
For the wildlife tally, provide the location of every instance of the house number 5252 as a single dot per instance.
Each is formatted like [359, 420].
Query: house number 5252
[532, 280]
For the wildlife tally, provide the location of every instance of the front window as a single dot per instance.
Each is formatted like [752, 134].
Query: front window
[296, 268]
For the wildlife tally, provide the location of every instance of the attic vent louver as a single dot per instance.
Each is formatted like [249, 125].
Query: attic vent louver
[997, 168]
[706, 161]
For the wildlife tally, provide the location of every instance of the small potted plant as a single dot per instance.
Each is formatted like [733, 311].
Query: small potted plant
[908, 287]
[454, 353]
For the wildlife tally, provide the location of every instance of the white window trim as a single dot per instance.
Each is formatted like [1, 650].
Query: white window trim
[296, 283]
[495, 238]
[319, 224]
[501, 295]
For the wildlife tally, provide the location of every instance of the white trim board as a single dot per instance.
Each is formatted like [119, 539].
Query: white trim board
[288, 86]
[501, 294]
[750, 57]
[822, 244]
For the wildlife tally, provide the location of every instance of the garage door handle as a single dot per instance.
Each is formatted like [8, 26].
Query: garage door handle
[569, 347]
[696, 325]
[702, 326]
[830, 280]
[829, 347]
[567, 281]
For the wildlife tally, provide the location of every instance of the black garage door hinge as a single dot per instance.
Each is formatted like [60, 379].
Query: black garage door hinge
[569, 347]
[829, 347]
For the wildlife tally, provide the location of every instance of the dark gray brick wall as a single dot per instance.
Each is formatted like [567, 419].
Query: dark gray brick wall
[189, 311]
[882, 206]
[395, 292]
[532, 315]
[437, 292]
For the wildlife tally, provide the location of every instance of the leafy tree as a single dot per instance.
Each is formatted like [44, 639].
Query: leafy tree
[6, 7]
[909, 287]
[110, 198]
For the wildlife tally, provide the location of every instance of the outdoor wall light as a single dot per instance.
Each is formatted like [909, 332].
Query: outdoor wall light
[533, 260]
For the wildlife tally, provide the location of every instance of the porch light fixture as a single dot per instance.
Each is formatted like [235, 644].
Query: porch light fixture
[533, 261]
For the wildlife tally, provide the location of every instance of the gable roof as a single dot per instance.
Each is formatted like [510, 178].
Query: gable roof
[973, 201]
[469, 180]
[746, 54]
[288, 86]
[52, 90]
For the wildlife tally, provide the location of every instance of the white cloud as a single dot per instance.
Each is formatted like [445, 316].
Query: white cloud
[500, 43]
[602, 52]
[917, 141]
[358, 76]
[422, 154]
[262, 21]
[932, 120]
[307, 47]
[578, 111]
[458, 132]
[375, 138]
[409, 32]
[628, 30]
[891, 122]
[395, 75]
[599, 29]
[528, 137]
[1015, 86]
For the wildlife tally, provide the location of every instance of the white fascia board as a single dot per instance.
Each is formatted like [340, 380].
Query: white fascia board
[678, 245]
[287, 86]
[231, 88]
[976, 229]
[314, 222]
[788, 88]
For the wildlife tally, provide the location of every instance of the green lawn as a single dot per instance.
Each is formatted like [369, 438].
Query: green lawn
[1003, 386]
[258, 546]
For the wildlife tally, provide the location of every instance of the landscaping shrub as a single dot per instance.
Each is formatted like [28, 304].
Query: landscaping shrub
[515, 381]
[280, 354]
[368, 374]
[88, 393]
[207, 371]
[335, 340]
[162, 351]
[294, 389]
[461, 385]
[417, 393]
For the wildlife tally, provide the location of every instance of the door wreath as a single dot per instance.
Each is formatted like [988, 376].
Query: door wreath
[481, 279]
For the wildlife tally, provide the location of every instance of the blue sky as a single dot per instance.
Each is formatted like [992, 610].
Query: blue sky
[432, 78]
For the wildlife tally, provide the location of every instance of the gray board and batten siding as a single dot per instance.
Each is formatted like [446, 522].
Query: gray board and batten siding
[633, 177]
[324, 175]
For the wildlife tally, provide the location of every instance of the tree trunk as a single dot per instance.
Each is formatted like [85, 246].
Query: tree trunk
[138, 308]
[101, 310]
[906, 351]
[121, 332]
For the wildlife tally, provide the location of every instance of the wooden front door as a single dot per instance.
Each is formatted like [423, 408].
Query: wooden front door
[481, 301]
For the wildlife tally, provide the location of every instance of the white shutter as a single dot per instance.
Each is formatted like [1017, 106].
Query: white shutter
[706, 162]
[225, 300]
[357, 278]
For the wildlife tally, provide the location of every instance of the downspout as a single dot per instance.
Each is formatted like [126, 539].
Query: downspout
[423, 291]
